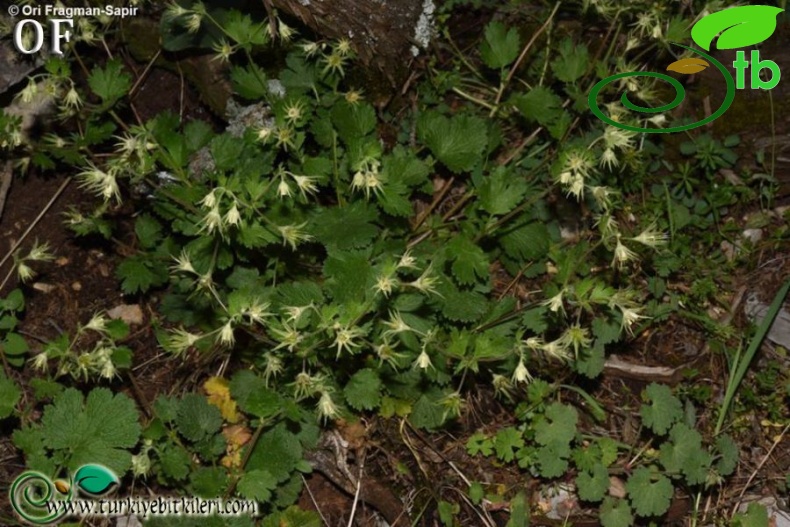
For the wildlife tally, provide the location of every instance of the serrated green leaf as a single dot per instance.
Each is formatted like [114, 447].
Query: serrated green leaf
[552, 460]
[243, 30]
[99, 429]
[249, 81]
[14, 301]
[593, 485]
[257, 485]
[427, 412]
[363, 391]
[479, 443]
[526, 242]
[227, 151]
[616, 513]
[519, 511]
[606, 330]
[175, 461]
[469, 260]
[501, 45]
[197, 419]
[353, 121]
[253, 396]
[458, 142]
[166, 408]
[591, 361]
[300, 76]
[506, 442]
[299, 293]
[501, 191]
[463, 306]
[253, 235]
[558, 425]
[197, 134]
[572, 62]
[683, 453]
[476, 492]
[648, 497]
[9, 396]
[756, 515]
[348, 276]
[139, 274]
[15, 344]
[608, 450]
[663, 411]
[278, 451]
[110, 82]
[148, 231]
[540, 105]
[586, 457]
[729, 452]
[403, 166]
[394, 199]
[45, 388]
[117, 329]
[342, 228]
[208, 482]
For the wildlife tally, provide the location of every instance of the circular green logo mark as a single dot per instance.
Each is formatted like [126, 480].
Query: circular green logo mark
[680, 94]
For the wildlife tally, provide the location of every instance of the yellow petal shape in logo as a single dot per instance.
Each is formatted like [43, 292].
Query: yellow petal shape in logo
[688, 66]
[62, 486]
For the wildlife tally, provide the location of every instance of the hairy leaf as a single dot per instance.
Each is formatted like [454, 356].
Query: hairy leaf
[501, 45]
[664, 409]
[363, 391]
[649, 498]
[458, 142]
[593, 485]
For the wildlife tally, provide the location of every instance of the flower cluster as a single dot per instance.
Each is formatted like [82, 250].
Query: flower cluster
[101, 360]
[367, 177]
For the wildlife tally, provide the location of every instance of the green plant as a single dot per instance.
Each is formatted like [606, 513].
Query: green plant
[14, 345]
[105, 359]
[74, 431]
[549, 442]
[354, 277]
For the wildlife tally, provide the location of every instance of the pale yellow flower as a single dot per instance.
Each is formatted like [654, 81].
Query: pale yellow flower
[226, 337]
[521, 373]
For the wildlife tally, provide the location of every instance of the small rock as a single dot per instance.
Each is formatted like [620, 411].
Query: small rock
[60, 262]
[616, 487]
[753, 235]
[129, 313]
[728, 249]
[559, 502]
[44, 288]
[76, 286]
[731, 177]
[779, 332]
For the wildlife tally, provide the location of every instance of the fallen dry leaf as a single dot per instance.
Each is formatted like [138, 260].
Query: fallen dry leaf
[218, 391]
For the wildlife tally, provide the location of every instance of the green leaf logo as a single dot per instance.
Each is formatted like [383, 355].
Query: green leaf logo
[95, 479]
[739, 27]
